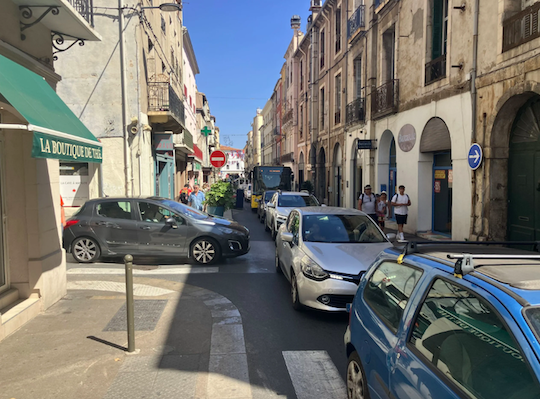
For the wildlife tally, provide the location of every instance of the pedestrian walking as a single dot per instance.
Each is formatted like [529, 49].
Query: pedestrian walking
[184, 194]
[382, 209]
[366, 203]
[196, 198]
[401, 202]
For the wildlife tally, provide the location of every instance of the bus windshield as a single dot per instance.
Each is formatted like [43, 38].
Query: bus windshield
[267, 178]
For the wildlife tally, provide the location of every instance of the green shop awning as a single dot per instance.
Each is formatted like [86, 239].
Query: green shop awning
[58, 133]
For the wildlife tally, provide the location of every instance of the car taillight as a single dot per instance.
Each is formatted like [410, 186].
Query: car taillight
[71, 222]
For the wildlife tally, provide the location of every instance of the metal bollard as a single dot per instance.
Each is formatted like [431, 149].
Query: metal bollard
[128, 261]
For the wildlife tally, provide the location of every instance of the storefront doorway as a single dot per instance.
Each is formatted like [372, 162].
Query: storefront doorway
[524, 174]
[356, 174]
[164, 176]
[392, 175]
[442, 192]
[337, 175]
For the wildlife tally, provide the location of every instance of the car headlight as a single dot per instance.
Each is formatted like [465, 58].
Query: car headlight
[226, 230]
[281, 218]
[312, 270]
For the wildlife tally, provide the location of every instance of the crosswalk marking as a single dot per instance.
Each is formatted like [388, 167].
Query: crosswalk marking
[314, 375]
[138, 289]
[138, 272]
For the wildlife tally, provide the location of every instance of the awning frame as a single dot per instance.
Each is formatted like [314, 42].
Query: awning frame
[33, 128]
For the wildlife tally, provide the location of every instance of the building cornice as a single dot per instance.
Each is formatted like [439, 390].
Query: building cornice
[188, 47]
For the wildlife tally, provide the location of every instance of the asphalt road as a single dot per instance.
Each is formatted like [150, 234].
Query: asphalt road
[273, 330]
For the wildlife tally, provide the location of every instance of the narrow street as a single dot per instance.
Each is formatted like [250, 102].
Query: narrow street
[289, 353]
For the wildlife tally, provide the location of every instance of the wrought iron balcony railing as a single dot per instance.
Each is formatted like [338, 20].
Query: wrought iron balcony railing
[161, 97]
[85, 8]
[356, 111]
[435, 69]
[288, 116]
[287, 157]
[384, 100]
[521, 28]
[356, 22]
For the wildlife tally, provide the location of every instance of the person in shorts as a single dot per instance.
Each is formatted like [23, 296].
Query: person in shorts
[382, 209]
[366, 203]
[401, 202]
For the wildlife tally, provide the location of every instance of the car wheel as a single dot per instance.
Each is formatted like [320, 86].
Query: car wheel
[85, 250]
[278, 265]
[357, 387]
[205, 251]
[294, 293]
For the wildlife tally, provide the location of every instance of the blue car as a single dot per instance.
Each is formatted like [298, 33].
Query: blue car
[426, 326]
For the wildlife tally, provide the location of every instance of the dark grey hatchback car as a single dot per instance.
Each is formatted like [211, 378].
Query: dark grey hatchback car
[152, 226]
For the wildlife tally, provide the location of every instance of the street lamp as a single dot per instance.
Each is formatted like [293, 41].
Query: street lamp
[165, 7]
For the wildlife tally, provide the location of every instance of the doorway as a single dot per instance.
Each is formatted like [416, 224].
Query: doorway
[337, 175]
[164, 176]
[356, 174]
[392, 176]
[524, 174]
[442, 192]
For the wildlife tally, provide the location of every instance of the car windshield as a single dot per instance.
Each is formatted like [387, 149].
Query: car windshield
[268, 195]
[340, 229]
[533, 317]
[297, 201]
[185, 210]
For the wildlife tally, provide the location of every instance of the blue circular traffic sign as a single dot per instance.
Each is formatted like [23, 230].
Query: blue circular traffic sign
[475, 156]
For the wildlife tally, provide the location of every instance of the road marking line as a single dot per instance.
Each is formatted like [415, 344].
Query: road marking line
[138, 272]
[314, 375]
[138, 289]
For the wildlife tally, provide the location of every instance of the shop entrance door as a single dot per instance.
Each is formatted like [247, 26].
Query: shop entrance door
[442, 192]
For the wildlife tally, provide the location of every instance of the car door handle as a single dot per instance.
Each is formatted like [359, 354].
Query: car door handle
[145, 228]
[102, 223]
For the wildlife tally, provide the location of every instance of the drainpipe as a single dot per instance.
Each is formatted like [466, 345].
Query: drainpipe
[127, 158]
[473, 114]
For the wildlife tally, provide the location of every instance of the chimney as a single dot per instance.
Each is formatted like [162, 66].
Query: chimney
[295, 24]
[315, 8]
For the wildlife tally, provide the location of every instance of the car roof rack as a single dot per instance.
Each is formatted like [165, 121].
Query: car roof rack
[465, 262]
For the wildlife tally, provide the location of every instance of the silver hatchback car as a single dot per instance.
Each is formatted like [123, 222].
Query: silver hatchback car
[324, 251]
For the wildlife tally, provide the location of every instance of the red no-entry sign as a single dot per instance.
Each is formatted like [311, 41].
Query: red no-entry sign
[218, 159]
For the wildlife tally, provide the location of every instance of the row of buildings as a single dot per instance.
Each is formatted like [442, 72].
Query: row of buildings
[96, 99]
[391, 92]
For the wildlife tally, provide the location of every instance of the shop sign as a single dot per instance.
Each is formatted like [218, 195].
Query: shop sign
[450, 176]
[48, 146]
[437, 186]
[365, 145]
[407, 138]
[440, 174]
[163, 142]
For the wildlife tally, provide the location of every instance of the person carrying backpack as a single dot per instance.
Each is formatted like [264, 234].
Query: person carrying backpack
[367, 202]
[184, 194]
[401, 202]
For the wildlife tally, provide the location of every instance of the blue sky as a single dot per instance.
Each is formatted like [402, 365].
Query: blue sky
[239, 45]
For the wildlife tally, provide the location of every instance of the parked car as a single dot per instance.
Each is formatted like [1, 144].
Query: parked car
[151, 227]
[247, 193]
[422, 326]
[281, 204]
[323, 252]
[262, 206]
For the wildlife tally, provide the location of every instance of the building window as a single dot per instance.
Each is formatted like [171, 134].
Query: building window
[337, 115]
[322, 108]
[338, 30]
[301, 75]
[322, 49]
[357, 66]
[290, 70]
[436, 67]
[301, 120]
[185, 91]
[388, 43]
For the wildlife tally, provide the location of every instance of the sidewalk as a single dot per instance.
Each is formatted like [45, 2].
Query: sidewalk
[190, 340]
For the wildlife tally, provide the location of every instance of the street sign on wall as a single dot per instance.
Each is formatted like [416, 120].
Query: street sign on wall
[218, 159]
[475, 156]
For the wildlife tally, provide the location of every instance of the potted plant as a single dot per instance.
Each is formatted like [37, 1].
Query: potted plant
[219, 198]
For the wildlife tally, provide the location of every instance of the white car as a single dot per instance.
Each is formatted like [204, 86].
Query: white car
[247, 193]
[282, 203]
[324, 251]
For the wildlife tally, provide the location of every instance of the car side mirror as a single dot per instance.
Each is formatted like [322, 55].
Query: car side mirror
[287, 237]
[391, 236]
[171, 222]
[271, 205]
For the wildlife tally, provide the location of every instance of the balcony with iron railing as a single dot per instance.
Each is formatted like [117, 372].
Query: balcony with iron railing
[288, 117]
[164, 106]
[289, 157]
[435, 69]
[183, 142]
[384, 100]
[356, 112]
[85, 8]
[521, 27]
[356, 23]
